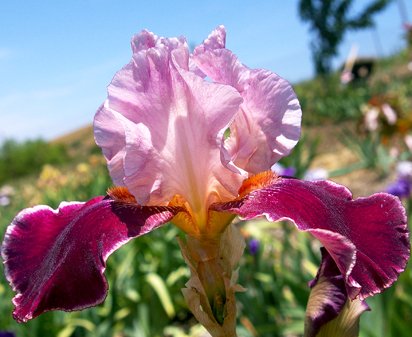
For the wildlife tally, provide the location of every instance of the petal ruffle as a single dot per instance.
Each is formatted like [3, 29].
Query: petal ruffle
[368, 238]
[267, 126]
[169, 124]
[55, 259]
[109, 134]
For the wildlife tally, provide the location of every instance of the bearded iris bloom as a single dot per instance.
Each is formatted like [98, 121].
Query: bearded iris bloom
[190, 139]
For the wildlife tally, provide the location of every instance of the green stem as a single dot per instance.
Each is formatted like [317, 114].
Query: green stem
[210, 292]
[348, 169]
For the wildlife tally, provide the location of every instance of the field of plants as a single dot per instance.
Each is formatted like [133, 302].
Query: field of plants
[358, 134]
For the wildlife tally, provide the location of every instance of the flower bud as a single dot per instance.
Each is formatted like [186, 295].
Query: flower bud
[330, 312]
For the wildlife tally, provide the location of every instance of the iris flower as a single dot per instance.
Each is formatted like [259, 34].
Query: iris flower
[190, 139]
[403, 185]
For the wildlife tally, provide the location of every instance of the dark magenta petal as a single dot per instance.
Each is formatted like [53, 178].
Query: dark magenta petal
[55, 259]
[367, 238]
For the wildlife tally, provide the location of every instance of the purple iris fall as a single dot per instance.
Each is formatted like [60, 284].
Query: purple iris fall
[7, 334]
[162, 131]
[403, 185]
[401, 188]
[253, 246]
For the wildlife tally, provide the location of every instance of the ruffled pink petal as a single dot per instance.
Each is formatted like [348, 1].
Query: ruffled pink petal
[55, 259]
[367, 238]
[110, 135]
[267, 126]
[170, 124]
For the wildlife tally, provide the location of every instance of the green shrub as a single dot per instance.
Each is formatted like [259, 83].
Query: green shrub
[21, 159]
[326, 100]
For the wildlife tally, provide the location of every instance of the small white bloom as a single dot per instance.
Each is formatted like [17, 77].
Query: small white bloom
[389, 113]
[4, 201]
[316, 174]
[371, 119]
[408, 142]
[404, 169]
[7, 190]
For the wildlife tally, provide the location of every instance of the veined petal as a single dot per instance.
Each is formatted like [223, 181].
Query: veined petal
[267, 126]
[373, 228]
[55, 259]
[171, 124]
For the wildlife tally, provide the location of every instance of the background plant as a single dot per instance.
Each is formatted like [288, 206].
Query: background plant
[19, 159]
[329, 21]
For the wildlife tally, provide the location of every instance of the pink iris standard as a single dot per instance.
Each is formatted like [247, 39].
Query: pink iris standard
[190, 139]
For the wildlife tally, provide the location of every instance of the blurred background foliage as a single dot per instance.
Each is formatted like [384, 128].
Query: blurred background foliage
[20, 159]
[330, 20]
[146, 275]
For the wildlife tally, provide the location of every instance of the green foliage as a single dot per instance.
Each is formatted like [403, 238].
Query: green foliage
[371, 152]
[329, 21]
[276, 281]
[325, 100]
[20, 159]
[302, 156]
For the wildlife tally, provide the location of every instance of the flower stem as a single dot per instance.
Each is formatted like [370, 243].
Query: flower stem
[210, 292]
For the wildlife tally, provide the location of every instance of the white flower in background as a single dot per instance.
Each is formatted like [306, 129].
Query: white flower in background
[316, 174]
[404, 169]
[371, 119]
[7, 190]
[4, 201]
[408, 141]
[5, 193]
[389, 113]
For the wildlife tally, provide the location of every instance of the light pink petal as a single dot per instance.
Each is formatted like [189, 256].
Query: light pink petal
[367, 238]
[216, 40]
[267, 126]
[55, 259]
[170, 123]
[110, 135]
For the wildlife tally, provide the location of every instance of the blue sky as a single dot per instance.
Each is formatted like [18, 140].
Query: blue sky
[57, 57]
